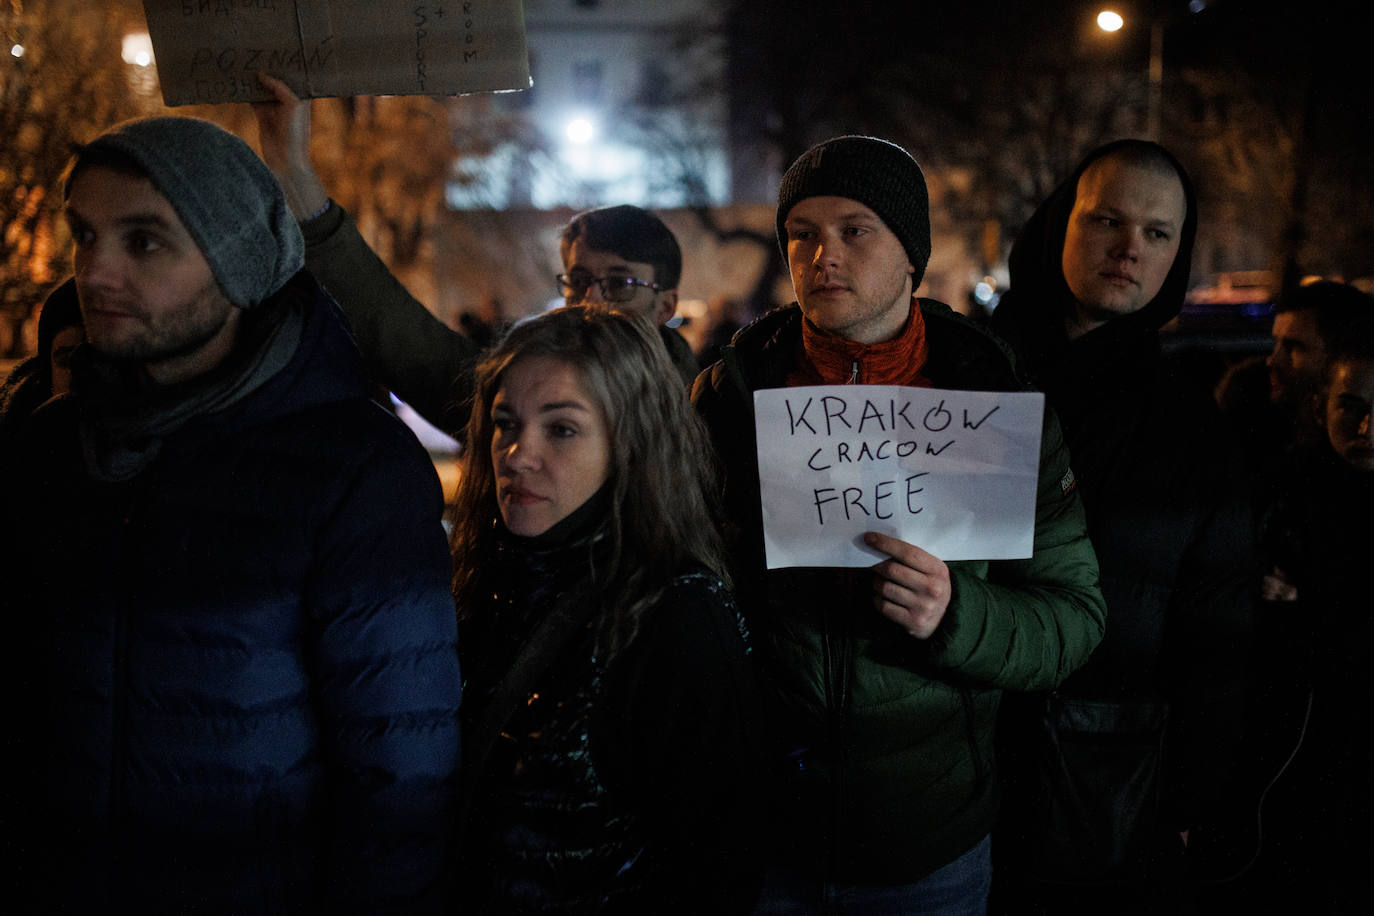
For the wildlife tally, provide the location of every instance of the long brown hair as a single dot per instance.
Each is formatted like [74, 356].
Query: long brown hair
[663, 516]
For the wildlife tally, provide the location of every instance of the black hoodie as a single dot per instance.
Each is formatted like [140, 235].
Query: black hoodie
[1031, 314]
[1174, 544]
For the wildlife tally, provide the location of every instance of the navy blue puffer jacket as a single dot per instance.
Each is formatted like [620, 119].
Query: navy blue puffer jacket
[242, 659]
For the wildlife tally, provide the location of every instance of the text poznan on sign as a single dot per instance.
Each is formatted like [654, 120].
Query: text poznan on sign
[210, 51]
[953, 472]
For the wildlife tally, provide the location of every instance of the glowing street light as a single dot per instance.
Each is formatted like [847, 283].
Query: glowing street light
[137, 49]
[1109, 21]
[580, 131]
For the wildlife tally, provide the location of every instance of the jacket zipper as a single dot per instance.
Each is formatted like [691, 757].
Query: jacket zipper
[119, 725]
[832, 738]
[980, 767]
[838, 650]
[838, 664]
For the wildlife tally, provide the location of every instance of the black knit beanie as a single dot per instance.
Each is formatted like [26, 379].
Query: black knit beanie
[880, 175]
[228, 199]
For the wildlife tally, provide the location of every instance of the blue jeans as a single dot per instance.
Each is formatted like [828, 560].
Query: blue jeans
[958, 889]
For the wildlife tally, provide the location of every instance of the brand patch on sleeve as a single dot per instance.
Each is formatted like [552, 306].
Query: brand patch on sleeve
[1067, 482]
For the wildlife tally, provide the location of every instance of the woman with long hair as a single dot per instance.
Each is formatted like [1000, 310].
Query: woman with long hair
[610, 711]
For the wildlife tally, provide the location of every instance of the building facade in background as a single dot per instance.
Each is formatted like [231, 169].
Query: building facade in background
[628, 106]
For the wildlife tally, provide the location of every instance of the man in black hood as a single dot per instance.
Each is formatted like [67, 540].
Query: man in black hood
[1108, 778]
[1129, 202]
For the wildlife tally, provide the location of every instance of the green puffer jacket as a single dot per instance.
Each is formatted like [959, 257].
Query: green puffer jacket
[885, 741]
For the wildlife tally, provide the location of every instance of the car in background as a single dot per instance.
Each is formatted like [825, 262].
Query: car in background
[1222, 326]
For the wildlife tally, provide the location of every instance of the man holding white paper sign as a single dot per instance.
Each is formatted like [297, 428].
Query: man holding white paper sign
[885, 682]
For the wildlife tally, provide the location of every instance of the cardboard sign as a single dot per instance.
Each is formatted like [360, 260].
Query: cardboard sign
[210, 51]
[953, 472]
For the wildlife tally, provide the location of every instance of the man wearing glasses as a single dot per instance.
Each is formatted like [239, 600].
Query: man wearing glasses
[626, 258]
[621, 257]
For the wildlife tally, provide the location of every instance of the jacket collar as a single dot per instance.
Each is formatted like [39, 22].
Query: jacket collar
[960, 353]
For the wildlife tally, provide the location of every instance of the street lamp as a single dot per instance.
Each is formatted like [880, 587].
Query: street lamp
[137, 49]
[580, 131]
[1111, 21]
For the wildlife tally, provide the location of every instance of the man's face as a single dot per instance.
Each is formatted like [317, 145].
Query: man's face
[1298, 358]
[851, 274]
[1349, 399]
[582, 261]
[1122, 238]
[147, 293]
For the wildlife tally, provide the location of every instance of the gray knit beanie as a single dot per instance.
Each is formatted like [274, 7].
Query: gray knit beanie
[226, 196]
[880, 175]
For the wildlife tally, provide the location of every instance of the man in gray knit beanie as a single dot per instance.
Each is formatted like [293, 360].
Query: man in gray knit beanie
[178, 227]
[225, 195]
[885, 682]
[239, 638]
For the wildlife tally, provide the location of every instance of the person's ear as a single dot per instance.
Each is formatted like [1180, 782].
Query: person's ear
[1317, 407]
[666, 307]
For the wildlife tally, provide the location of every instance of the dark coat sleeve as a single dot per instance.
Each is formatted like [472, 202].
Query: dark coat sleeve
[426, 363]
[387, 684]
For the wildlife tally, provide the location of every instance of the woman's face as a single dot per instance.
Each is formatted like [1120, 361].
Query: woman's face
[550, 444]
[1349, 402]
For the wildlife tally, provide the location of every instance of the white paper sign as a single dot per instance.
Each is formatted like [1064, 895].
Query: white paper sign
[953, 472]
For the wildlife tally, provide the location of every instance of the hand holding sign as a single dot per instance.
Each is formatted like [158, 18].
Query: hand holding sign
[284, 138]
[912, 588]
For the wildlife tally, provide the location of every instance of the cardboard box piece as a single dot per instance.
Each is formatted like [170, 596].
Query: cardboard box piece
[210, 51]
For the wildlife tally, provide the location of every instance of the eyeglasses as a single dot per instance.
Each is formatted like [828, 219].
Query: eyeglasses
[613, 289]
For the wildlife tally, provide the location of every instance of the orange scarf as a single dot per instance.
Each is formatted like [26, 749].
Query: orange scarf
[829, 360]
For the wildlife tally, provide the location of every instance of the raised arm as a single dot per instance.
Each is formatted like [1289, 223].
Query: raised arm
[426, 363]
[284, 138]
